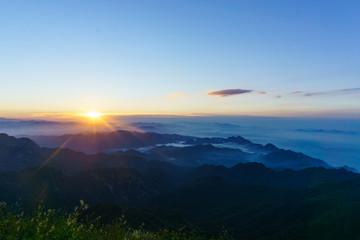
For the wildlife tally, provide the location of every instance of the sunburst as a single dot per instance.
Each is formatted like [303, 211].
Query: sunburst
[93, 114]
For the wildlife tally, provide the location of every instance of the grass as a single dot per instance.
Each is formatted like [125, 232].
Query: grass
[53, 224]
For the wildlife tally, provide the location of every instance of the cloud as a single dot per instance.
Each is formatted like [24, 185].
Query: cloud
[313, 94]
[177, 95]
[351, 90]
[229, 92]
[334, 92]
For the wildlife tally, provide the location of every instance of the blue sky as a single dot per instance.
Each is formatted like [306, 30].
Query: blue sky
[164, 57]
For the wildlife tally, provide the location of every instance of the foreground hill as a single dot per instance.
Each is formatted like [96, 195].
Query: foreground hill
[44, 185]
[260, 212]
[327, 210]
[259, 174]
[55, 224]
[134, 188]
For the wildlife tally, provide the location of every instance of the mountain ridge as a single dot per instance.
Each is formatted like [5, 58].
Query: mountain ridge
[183, 150]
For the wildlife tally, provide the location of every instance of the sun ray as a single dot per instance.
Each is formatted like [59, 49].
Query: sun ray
[56, 152]
[47, 160]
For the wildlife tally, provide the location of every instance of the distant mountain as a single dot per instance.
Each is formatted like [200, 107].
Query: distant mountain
[72, 162]
[18, 153]
[333, 131]
[149, 126]
[183, 150]
[348, 168]
[198, 155]
[102, 142]
[287, 159]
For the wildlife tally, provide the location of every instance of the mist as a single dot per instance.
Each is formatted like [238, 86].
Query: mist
[336, 141]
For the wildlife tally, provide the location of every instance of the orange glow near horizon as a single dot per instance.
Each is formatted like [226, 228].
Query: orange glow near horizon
[94, 117]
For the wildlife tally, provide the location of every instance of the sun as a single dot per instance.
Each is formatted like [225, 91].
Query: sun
[93, 114]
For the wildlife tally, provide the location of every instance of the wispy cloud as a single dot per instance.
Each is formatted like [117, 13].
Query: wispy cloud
[334, 92]
[177, 95]
[229, 92]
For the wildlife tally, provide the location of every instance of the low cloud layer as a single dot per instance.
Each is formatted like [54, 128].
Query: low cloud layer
[229, 92]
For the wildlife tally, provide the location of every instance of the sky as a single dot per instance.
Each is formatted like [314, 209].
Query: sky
[261, 58]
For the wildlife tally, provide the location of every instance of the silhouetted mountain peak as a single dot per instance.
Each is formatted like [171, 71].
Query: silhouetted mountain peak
[283, 159]
[238, 139]
[11, 141]
[18, 153]
[271, 148]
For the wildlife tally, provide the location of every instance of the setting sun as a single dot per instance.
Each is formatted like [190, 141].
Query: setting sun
[93, 114]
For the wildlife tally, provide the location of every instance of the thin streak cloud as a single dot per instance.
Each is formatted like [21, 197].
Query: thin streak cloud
[334, 92]
[229, 92]
[177, 95]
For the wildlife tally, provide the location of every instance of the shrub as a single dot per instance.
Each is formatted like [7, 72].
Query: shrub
[62, 225]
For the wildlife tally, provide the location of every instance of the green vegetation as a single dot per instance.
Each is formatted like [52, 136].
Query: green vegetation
[57, 224]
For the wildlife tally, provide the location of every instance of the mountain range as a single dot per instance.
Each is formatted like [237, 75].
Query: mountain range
[171, 181]
[181, 150]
